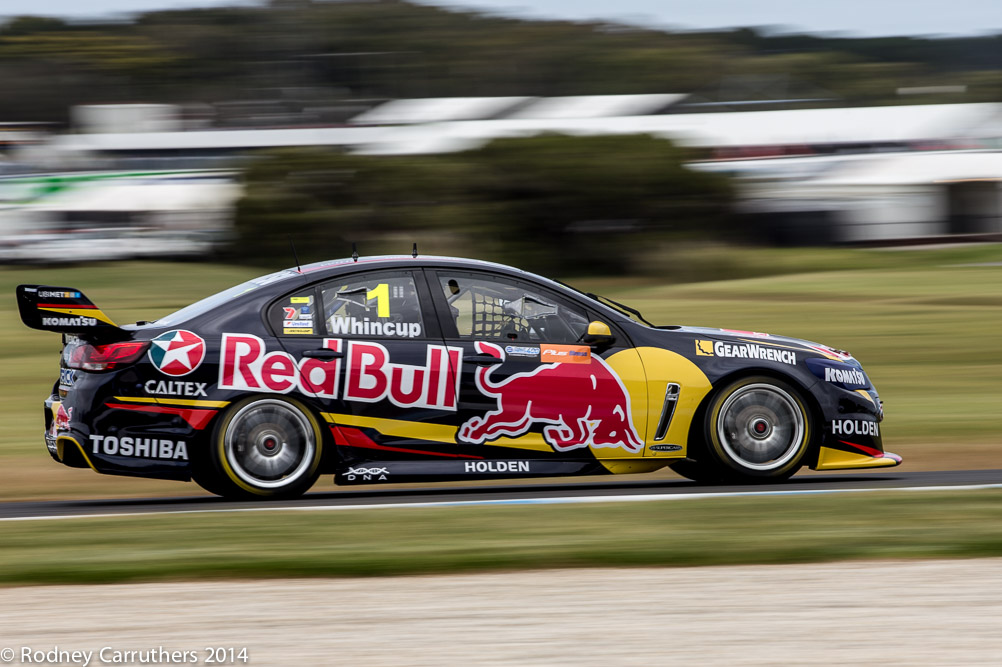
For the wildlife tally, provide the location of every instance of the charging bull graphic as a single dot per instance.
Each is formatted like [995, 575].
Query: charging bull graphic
[582, 405]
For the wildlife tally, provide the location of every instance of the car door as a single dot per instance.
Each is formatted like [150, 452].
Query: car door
[394, 377]
[529, 386]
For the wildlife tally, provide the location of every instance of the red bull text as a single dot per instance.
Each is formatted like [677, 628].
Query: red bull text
[371, 376]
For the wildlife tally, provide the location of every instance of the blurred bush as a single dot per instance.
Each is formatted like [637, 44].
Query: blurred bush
[551, 204]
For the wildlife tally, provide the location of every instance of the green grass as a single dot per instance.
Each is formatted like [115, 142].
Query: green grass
[926, 324]
[677, 533]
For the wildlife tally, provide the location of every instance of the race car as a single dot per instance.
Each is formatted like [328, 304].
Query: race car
[414, 369]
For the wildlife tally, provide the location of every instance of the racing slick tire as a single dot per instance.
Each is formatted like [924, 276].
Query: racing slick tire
[263, 448]
[757, 429]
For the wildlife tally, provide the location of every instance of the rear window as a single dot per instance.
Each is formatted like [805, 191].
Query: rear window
[216, 300]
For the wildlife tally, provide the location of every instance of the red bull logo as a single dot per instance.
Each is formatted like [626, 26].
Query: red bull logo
[61, 419]
[581, 405]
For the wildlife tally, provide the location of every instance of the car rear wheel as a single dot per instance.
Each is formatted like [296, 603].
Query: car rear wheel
[757, 429]
[264, 448]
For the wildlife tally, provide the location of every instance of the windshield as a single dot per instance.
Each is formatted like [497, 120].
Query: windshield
[621, 308]
[218, 299]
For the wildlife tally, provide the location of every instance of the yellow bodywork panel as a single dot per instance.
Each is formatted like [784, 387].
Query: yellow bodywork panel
[836, 459]
[664, 367]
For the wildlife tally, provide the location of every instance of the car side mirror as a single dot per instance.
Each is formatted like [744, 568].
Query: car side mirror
[598, 335]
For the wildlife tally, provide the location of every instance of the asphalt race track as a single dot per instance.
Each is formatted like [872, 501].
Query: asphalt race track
[510, 493]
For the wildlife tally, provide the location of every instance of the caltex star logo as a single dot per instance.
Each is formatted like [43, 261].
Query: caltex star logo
[177, 352]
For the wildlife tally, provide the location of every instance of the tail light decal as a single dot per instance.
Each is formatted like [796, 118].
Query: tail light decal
[99, 358]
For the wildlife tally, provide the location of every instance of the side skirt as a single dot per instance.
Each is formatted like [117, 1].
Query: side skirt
[374, 472]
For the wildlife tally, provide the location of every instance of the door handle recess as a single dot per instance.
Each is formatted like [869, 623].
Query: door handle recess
[323, 353]
[483, 360]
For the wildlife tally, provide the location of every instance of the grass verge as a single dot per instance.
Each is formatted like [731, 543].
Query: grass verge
[725, 531]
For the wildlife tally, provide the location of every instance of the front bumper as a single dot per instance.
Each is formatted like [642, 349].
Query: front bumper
[839, 459]
[851, 436]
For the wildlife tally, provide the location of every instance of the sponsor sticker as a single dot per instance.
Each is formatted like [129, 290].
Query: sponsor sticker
[366, 474]
[665, 448]
[63, 418]
[293, 330]
[67, 377]
[290, 313]
[706, 348]
[297, 324]
[301, 299]
[140, 448]
[175, 388]
[566, 354]
[855, 427]
[365, 327]
[305, 310]
[521, 351]
[45, 294]
[840, 374]
[177, 353]
[496, 466]
[848, 376]
[69, 322]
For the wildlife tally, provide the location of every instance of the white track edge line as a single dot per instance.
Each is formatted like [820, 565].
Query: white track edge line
[566, 500]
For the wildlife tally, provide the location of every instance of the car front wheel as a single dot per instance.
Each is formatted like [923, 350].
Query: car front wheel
[757, 429]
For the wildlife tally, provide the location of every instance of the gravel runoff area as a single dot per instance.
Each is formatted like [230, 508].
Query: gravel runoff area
[886, 612]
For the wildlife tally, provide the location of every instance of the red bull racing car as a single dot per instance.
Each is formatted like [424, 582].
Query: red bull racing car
[403, 369]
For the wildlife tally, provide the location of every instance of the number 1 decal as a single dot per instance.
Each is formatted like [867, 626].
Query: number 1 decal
[382, 296]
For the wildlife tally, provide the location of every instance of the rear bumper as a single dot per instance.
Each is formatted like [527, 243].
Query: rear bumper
[146, 443]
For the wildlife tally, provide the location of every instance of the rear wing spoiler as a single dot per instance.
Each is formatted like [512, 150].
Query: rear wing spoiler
[64, 310]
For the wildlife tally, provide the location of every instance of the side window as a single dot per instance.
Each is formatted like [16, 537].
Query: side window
[375, 305]
[295, 315]
[489, 307]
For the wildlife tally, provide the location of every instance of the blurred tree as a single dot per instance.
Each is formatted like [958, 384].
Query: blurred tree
[595, 204]
[87, 50]
[31, 25]
[551, 204]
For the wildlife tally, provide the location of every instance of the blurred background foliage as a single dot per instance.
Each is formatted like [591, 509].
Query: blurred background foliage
[597, 205]
[317, 55]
